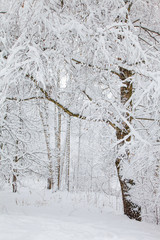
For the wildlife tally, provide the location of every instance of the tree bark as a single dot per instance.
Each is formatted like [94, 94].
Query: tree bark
[131, 209]
[68, 154]
[57, 130]
[44, 119]
[14, 183]
[14, 177]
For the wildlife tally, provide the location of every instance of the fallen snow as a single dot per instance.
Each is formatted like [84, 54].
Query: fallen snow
[46, 216]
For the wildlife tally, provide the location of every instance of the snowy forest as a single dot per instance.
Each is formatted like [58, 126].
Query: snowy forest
[80, 100]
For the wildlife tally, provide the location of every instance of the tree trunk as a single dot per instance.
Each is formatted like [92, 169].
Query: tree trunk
[57, 130]
[131, 209]
[68, 155]
[59, 148]
[44, 119]
[78, 159]
[14, 183]
[14, 178]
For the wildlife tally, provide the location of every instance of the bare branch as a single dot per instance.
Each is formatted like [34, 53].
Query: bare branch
[146, 119]
[136, 20]
[90, 99]
[148, 43]
[24, 99]
[148, 30]
[95, 67]
[65, 109]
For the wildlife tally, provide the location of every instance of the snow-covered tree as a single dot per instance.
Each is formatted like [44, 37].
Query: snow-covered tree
[110, 59]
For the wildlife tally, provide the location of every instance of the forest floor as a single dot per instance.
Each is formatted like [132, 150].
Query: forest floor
[48, 216]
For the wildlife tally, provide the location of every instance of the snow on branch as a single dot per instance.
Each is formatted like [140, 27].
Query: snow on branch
[94, 67]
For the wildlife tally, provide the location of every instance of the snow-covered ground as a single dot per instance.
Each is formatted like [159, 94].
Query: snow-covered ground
[46, 216]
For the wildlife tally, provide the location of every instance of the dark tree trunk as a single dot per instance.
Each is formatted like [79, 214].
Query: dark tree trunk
[14, 183]
[62, 3]
[15, 175]
[49, 183]
[131, 209]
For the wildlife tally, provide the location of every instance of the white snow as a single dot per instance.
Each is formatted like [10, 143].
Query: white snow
[46, 216]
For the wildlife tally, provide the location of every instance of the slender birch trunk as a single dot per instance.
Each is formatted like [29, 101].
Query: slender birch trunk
[68, 153]
[57, 130]
[79, 154]
[15, 160]
[44, 118]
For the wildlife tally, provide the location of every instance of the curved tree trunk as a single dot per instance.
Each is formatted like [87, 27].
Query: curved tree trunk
[131, 209]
